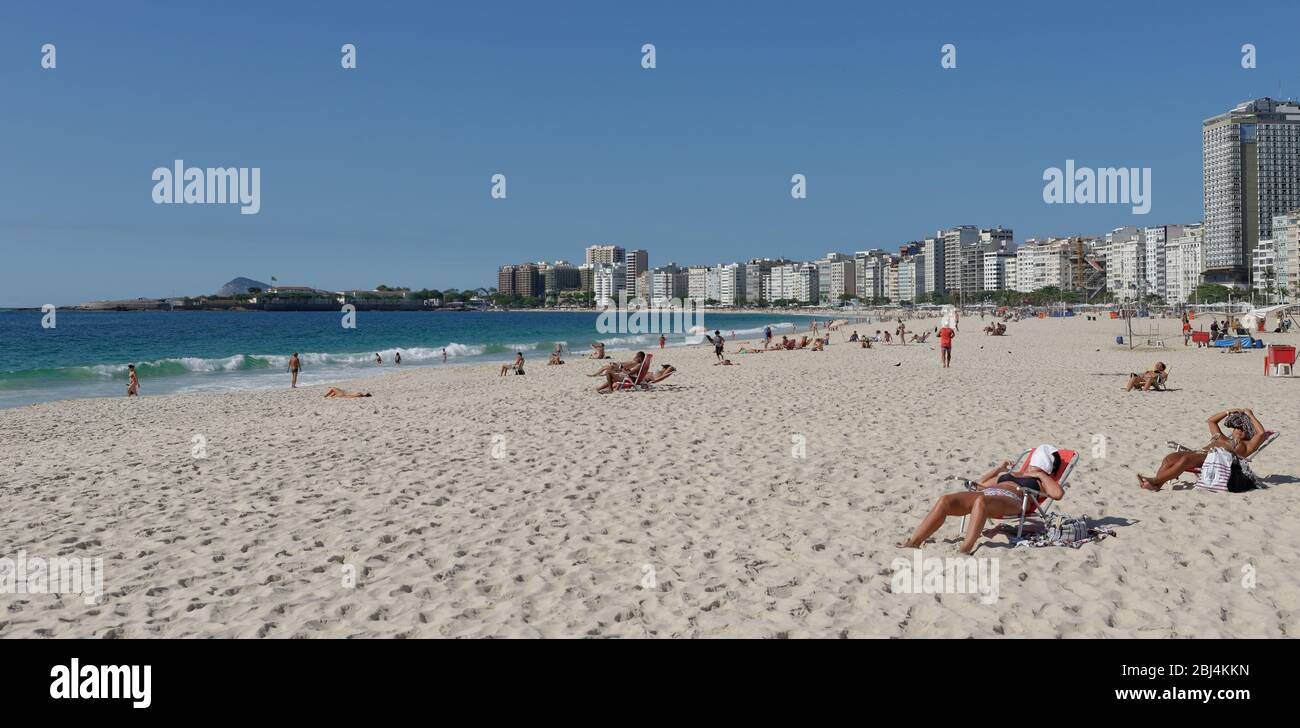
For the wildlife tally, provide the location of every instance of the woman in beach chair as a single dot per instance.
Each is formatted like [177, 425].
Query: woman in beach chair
[1149, 380]
[998, 493]
[1247, 436]
[616, 374]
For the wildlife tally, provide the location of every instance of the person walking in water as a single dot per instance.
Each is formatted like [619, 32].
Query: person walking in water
[444, 356]
[397, 358]
[662, 340]
[295, 365]
[132, 382]
[379, 360]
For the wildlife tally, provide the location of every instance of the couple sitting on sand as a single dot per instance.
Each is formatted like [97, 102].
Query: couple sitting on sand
[997, 329]
[1228, 453]
[617, 373]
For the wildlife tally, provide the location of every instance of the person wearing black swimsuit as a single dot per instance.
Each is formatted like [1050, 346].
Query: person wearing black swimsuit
[997, 494]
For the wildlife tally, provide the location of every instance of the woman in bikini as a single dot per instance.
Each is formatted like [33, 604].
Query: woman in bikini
[997, 494]
[1148, 380]
[1246, 435]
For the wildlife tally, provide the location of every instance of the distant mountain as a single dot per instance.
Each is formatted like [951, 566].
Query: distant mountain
[240, 285]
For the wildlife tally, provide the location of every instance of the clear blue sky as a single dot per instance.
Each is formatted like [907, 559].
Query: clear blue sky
[381, 175]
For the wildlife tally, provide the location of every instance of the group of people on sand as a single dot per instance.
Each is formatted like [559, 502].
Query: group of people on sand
[996, 329]
[1222, 465]
[618, 374]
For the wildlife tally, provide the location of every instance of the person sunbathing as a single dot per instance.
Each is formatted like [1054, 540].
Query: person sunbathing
[617, 373]
[997, 494]
[1148, 380]
[343, 393]
[1247, 435]
[626, 366]
[819, 345]
[726, 363]
[598, 351]
[555, 359]
[517, 366]
[664, 372]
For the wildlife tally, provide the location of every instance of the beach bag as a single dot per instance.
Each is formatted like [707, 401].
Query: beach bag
[1064, 530]
[1216, 470]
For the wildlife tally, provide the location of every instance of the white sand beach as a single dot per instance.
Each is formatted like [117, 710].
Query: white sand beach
[471, 505]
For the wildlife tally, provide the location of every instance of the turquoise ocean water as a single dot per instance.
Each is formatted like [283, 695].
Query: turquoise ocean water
[86, 353]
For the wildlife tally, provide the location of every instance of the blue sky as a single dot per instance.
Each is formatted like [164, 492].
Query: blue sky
[382, 174]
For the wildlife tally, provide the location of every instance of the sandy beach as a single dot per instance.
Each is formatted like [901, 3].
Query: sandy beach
[755, 501]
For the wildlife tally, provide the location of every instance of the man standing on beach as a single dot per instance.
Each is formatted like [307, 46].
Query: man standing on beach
[132, 382]
[717, 344]
[945, 346]
[767, 337]
[295, 364]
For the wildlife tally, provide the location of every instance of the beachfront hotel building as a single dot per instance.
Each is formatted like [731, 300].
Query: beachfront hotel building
[1251, 171]
[955, 240]
[996, 265]
[758, 272]
[1286, 244]
[869, 268]
[1263, 267]
[836, 277]
[1125, 255]
[635, 263]
[605, 255]
[1043, 264]
[525, 279]
[610, 280]
[806, 283]
[933, 250]
[668, 282]
[560, 276]
[697, 282]
[1184, 263]
[731, 283]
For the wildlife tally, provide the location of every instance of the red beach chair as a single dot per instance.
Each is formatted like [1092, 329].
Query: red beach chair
[638, 380]
[1040, 504]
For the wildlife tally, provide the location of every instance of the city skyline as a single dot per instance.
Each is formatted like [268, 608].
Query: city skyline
[696, 154]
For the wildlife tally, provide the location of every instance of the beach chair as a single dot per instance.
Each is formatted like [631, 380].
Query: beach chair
[1269, 437]
[638, 380]
[1039, 504]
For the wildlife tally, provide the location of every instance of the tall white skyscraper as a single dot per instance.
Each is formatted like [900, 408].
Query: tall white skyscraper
[1251, 168]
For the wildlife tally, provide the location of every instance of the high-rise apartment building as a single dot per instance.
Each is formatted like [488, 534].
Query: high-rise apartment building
[1251, 171]
[605, 255]
[635, 263]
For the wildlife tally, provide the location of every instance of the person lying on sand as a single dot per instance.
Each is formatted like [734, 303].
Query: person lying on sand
[336, 392]
[819, 345]
[1146, 381]
[1247, 435]
[726, 363]
[997, 494]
